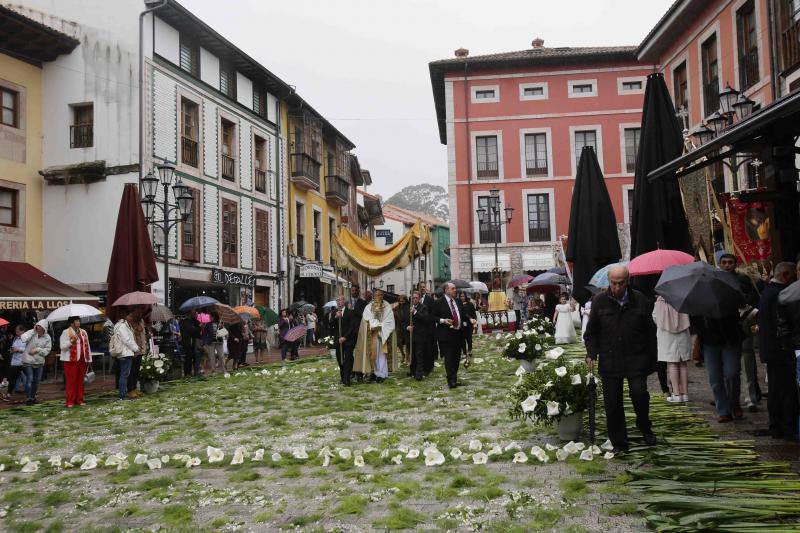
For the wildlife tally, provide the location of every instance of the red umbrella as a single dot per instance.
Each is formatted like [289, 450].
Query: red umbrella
[137, 298]
[658, 261]
[519, 279]
[133, 265]
[3, 322]
[295, 333]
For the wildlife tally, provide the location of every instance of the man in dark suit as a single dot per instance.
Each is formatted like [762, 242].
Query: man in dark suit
[420, 331]
[344, 322]
[357, 303]
[424, 298]
[432, 348]
[448, 313]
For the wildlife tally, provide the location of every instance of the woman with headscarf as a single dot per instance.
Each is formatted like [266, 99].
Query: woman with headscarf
[674, 347]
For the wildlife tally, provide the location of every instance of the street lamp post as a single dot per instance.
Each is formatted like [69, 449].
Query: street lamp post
[490, 219]
[170, 213]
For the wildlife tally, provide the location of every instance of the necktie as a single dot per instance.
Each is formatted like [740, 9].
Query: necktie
[455, 315]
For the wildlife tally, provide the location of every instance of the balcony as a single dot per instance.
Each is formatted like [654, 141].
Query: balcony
[711, 97]
[81, 136]
[261, 180]
[487, 169]
[630, 163]
[538, 234]
[305, 171]
[337, 190]
[228, 168]
[748, 69]
[536, 168]
[790, 45]
[189, 152]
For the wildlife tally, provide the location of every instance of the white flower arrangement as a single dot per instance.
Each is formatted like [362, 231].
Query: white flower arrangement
[155, 367]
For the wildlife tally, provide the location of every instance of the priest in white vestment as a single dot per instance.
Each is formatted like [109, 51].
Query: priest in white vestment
[376, 348]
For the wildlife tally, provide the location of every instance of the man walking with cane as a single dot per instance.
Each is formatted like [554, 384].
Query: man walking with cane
[447, 312]
[622, 334]
[344, 324]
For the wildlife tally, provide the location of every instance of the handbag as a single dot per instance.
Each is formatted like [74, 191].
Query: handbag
[90, 376]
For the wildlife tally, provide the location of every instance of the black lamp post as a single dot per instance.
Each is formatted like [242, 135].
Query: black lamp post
[170, 214]
[490, 219]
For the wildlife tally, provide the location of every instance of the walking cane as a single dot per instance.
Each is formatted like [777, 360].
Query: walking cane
[592, 389]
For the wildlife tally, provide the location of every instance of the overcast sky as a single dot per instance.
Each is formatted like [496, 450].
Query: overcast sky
[363, 64]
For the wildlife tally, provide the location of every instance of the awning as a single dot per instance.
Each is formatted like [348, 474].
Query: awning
[779, 117]
[540, 260]
[26, 288]
[485, 262]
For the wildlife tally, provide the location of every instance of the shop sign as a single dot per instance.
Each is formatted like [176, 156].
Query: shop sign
[232, 278]
[36, 305]
[310, 270]
[385, 233]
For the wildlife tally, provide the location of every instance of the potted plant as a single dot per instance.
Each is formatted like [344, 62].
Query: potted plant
[155, 367]
[556, 392]
[542, 324]
[330, 342]
[527, 345]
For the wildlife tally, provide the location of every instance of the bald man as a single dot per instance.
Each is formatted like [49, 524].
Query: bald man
[622, 335]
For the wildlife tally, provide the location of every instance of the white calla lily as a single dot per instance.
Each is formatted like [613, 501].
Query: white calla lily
[561, 371]
[165, 459]
[576, 379]
[480, 458]
[358, 460]
[529, 403]
[580, 446]
[495, 450]
[561, 455]
[522, 347]
[554, 353]
[596, 450]
[571, 448]
[550, 447]
[456, 453]
[30, 467]
[397, 459]
[475, 445]
[89, 462]
[413, 453]
[434, 458]
[586, 455]
[608, 455]
[55, 461]
[258, 455]
[520, 371]
[194, 461]
[607, 445]
[276, 457]
[154, 463]
[512, 446]
[345, 453]
[520, 457]
[552, 408]
[299, 452]
[215, 455]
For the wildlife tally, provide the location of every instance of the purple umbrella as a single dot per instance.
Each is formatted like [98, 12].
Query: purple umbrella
[295, 333]
[519, 279]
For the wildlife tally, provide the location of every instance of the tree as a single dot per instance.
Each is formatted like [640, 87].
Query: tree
[425, 198]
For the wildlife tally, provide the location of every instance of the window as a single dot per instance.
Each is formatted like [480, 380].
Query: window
[631, 148]
[390, 288]
[331, 233]
[584, 138]
[10, 107]
[189, 56]
[582, 88]
[190, 119]
[484, 94]
[81, 131]
[317, 234]
[259, 102]
[230, 234]
[300, 222]
[536, 154]
[747, 45]
[262, 240]
[631, 196]
[259, 163]
[631, 85]
[538, 217]
[708, 54]
[228, 150]
[533, 91]
[486, 150]
[488, 233]
[8, 207]
[227, 82]
[680, 87]
[190, 240]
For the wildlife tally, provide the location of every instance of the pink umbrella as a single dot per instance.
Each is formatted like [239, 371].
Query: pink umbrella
[136, 298]
[203, 318]
[295, 333]
[658, 261]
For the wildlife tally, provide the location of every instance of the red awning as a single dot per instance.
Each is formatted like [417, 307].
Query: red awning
[26, 288]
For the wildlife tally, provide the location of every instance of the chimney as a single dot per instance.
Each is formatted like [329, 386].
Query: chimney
[538, 44]
[462, 52]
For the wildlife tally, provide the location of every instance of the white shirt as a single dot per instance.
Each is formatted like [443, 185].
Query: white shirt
[457, 322]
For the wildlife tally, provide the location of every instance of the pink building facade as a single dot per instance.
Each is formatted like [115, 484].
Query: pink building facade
[517, 122]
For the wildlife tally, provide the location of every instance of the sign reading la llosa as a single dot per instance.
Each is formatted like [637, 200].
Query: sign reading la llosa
[32, 305]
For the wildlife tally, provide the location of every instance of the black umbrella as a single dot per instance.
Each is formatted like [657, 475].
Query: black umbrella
[593, 238]
[659, 220]
[297, 305]
[461, 284]
[701, 290]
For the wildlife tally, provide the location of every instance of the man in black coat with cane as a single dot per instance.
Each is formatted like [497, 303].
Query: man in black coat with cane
[448, 313]
[621, 332]
[344, 322]
[419, 328]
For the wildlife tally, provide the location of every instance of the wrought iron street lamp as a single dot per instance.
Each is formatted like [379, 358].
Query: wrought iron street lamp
[491, 221]
[170, 214]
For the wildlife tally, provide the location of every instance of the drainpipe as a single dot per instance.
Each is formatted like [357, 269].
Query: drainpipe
[278, 205]
[469, 174]
[151, 9]
[774, 78]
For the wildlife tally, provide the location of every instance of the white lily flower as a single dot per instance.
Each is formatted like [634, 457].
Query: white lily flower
[384, 453]
[529, 404]
[77, 458]
[496, 450]
[548, 384]
[258, 455]
[456, 453]
[498, 336]
[111, 460]
[226, 375]
[522, 347]
[571, 448]
[518, 335]
[345, 453]
[607, 445]
[123, 465]
[30, 467]
[480, 458]
[358, 460]
[413, 453]
[536, 450]
[182, 457]
[165, 459]
[24, 460]
[520, 457]
[608, 455]
[586, 455]
[520, 371]
[552, 408]
[299, 452]
[538, 347]
[580, 446]
[2, 467]
[397, 459]
[434, 458]
[550, 447]
[276, 457]
[561, 371]
[402, 449]
[596, 450]
[238, 457]
[475, 445]
[561, 455]
[512, 446]
[154, 463]
[55, 461]
[576, 379]
[194, 461]
[67, 464]
[567, 409]
[140, 459]
[215, 455]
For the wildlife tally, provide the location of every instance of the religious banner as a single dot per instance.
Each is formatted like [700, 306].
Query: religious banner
[696, 204]
[750, 228]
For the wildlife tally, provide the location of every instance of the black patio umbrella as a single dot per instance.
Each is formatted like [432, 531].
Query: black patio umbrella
[593, 239]
[701, 290]
[659, 220]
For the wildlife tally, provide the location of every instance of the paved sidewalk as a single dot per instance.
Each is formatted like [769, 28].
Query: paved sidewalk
[54, 389]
